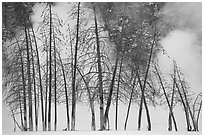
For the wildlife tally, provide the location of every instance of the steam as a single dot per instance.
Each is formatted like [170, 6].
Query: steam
[184, 43]
[185, 16]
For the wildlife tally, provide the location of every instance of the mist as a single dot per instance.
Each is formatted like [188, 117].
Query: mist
[184, 43]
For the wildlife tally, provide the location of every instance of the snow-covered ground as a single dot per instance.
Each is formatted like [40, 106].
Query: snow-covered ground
[159, 120]
[81, 132]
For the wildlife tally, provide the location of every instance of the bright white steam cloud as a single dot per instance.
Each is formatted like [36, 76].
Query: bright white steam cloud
[184, 44]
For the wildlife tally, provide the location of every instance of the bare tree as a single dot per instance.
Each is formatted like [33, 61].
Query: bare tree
[55, 83]
[130, 101]
[184, 105]
[29, 83]
[110, 93]
[165, 94]
[24, 126]
[34, 82]
[50, 69]
[91, 101]
[99, 71]
[144, 86]
[66, 91]
[74, 74]
[172, 101]
[117, 94]
[40, 79]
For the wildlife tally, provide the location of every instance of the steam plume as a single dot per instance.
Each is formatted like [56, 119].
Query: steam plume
[184, 43]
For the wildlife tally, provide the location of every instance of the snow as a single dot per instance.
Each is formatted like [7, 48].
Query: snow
[159, 119]
[83, 132]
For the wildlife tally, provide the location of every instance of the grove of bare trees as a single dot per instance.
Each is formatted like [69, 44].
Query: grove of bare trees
[107, 55]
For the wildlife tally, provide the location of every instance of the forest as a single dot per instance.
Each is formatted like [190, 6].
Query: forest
[100, 54]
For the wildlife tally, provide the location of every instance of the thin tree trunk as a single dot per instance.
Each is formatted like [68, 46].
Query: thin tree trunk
[50, 78]
[93, 121]
[143, 95]
[199, 110]
[100, 77]
[192, 118]
[20, 107]
[72, 65]
[110, 93]
[185, 108]
[141, 102]
[14, 120]
[170, 108]
[187, 104]
[91, 101]
[145, 104]
[40, 80]
[117, 93]
[66, 92]
[46, 89]
[144, 86]
[21, 112]
[34, 84]
[38, 102]
[44, 111]
[74, 75]
[130, 101]
[118, 84]
[29, 84]
[24, 125]
[55, 84]
[194, 103]
[172, 101]
[72, 72]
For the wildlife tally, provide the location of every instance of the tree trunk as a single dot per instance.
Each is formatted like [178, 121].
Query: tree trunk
[144, 86]
[50, 78]
[117, 93]
[66, 92]
[46, 89]
[20, 108]
[29, 84]
[130, 101]
[170, 108]
[72, 58]
[199, 109]
[184, 106]
[91, 101]
[55, 84]
[118, 84]
[188, 110]
[141, 102]
[34, 85]
[172, 101]
[110, 93]
[74, 75]
[143, 90]
[14, 120]
[40, 80]
[20, 105]
[93, 122]
[198, 115]
[24, 125]
[100, 77]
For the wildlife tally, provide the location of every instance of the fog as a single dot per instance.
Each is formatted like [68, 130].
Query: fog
[184, 44]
